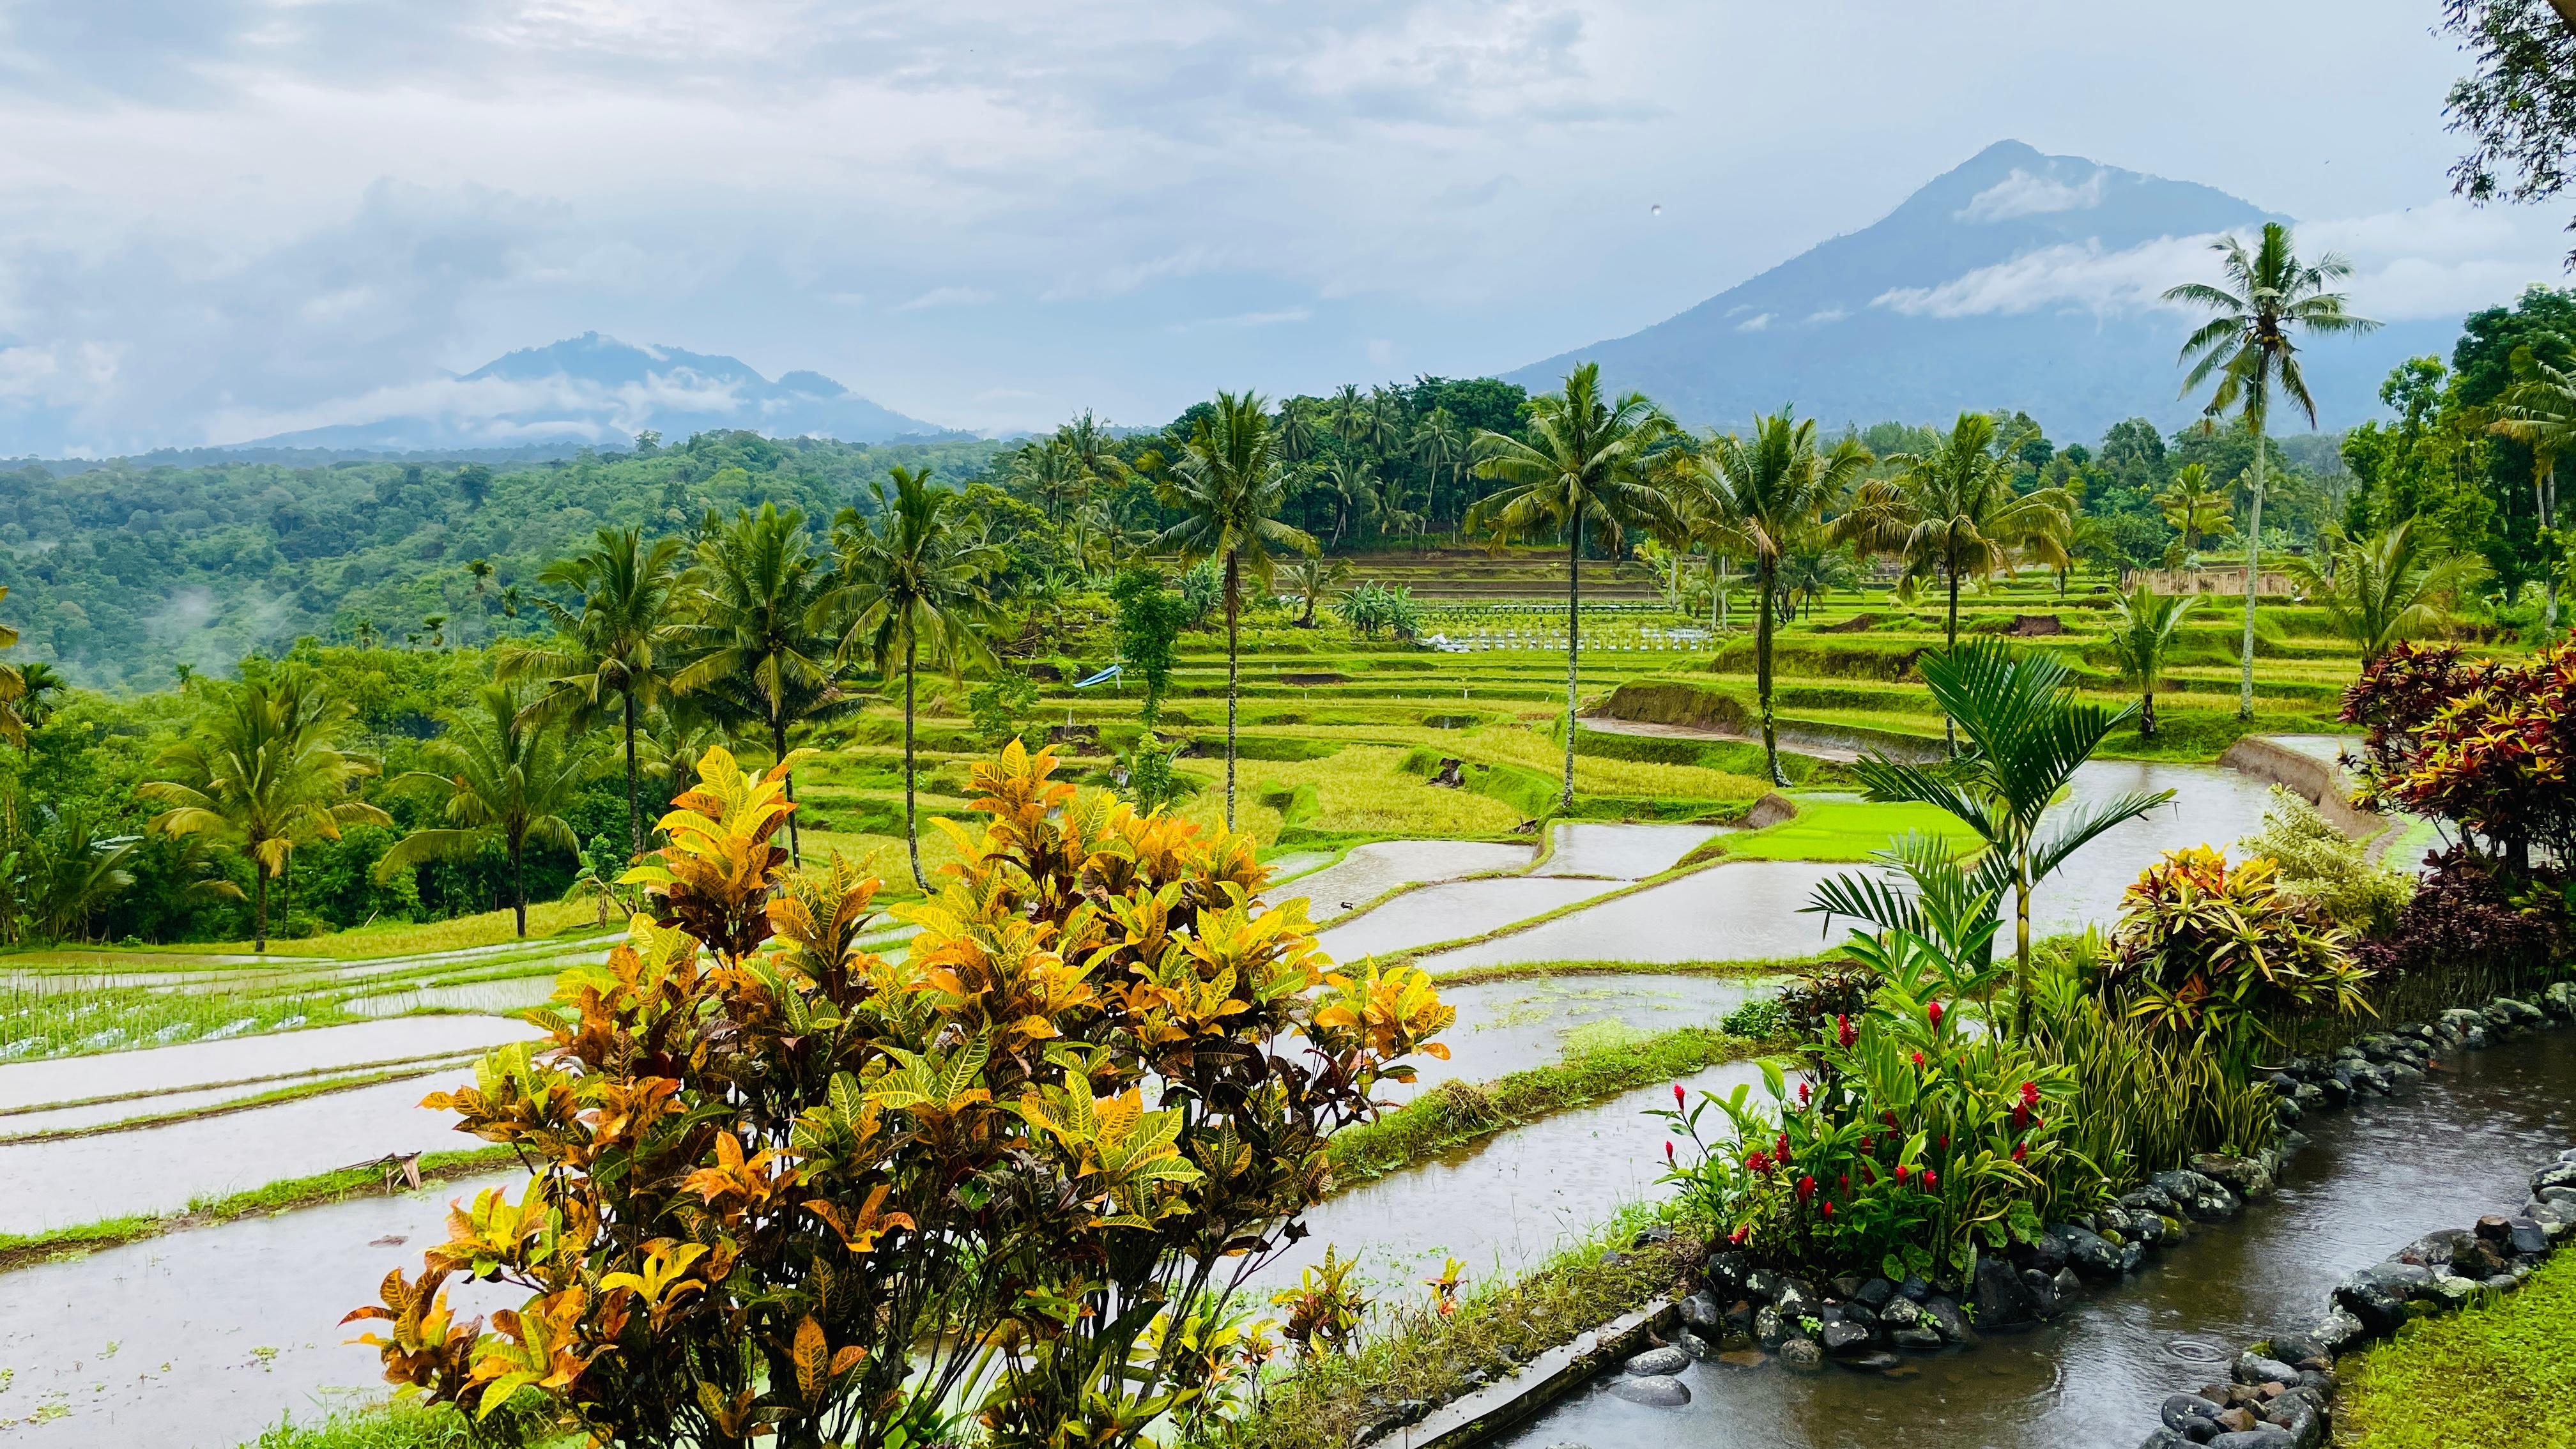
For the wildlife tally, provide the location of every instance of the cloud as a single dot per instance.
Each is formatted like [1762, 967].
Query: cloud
[2022, 194]
[2423, 262]
[1248, 319]
[946, 297]
[1755, 323]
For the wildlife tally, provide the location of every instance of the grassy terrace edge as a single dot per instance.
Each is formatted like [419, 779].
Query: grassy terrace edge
[21, 1250]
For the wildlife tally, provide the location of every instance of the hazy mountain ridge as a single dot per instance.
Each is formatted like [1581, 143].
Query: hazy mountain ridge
[594, 389]
[2016, 280]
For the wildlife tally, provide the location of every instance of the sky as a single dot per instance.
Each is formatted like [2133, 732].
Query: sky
[223, 219]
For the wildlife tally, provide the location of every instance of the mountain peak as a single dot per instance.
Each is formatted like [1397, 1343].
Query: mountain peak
[2016, 279]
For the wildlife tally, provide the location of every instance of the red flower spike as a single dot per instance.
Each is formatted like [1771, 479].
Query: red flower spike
[1843, 1033]
[1918, 1061]
[1945, 1141]
[1806, 1187]
[1828, 1208]
[1758, 1162]
[1844, 1181]
[1934, 1011]
[1668, 1153]
[1901, 1170]
[2030, 1095]
[2021, 1151]
[1739, 1235]
[1806, 1094]
[1931, 1179]
[1677, 1094]
[1780, 1149]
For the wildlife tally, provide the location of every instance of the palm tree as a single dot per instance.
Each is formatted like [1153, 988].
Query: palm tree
[72, 874]
[2381, 589]
[1440, 443]
[13, 688]
[1347, 413]
[39, 689]
[2142, 628]
[1296, 428]
[912, 584]
[480, 571]
[263, 771]
[1763, 499]
[506, 779]
[1354, 491]
[1311, 577]
[2028, 734]
[436, 624]
[1810, 573]
[365, 630]
[621, 644]
[760, 648]
[1052, 471]
[2539, 411]
[1229, 485]
[1585, 462]
[1953, 513]
[2196, 506]
[1384, 428]
[2247, 347]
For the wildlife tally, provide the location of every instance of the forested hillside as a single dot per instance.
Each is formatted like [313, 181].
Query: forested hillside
[118, 574]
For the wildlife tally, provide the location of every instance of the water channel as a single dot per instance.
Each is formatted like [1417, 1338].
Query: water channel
[2374, 1179]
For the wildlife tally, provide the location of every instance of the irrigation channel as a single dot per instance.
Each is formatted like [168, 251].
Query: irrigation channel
[205, 1336]
[2375, 1178]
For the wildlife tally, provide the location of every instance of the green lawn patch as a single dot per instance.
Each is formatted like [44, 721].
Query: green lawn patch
[1835, 830]
[2498, 1375]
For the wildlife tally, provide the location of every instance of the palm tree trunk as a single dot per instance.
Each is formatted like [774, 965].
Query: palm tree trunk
[911, 824]
[519, 883]
[1768, 570]
[2021, 943]
[258, 906]
[634, 815]
[1950, 643]
[2146, 706]
[1573, 641]
[778, 744]
[2542, 466]
[1233, 661]
[2253, 556]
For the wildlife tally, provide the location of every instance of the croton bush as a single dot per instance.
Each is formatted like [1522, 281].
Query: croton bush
[782, 1188]
[2206, 949]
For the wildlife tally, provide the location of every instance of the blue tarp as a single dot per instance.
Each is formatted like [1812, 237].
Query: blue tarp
[1102, 677]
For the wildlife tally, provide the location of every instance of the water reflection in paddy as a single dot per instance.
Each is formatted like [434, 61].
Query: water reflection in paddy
[1505, 1026]
[197, 1064]
[2374, 1179]
[1453, 909]
[1370, 871]
[1622, 852]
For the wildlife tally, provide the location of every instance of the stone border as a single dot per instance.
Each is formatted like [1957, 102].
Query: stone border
[2280, 1390]
[2313, 780]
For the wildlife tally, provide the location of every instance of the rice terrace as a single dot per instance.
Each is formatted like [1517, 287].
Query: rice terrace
[1966, 842]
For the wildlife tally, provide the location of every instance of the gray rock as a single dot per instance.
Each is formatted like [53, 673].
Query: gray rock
[2454, 1291]
[2042, 1290]
[2520, 1013]
[1700, 1310]
[1657, 1363]
[1916, 1336]
[2527, 1238]
[2089, 1253]
[1659, 1393]
[1762, 1285]
[1768, 1328]
[1795, 1299]
[2181, 1411]
[2161, 1439]
[1802, 1354]
[1999, 1295]
[2246, 1177]
[1947, 1318]
[1903, 1312]
[1915, 1288]
[2377, 1295]
[2045, 1255]
[1845, 1337]
[2561, 1174]
[1692, 1344]
[2201, 1198]
[2336, 1330]
[2254, 1368]
[2068, 1286]
[2153, 1199]
[2560, 1000]
[2261, 1436]
[1877, 1292]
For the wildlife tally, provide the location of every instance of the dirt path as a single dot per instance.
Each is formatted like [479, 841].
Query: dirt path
[1611, 726]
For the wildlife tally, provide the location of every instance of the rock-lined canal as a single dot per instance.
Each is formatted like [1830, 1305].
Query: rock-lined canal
[2374, 1178]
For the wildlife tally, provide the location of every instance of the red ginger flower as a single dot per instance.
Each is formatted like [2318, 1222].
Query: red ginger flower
[1668, 1152]
[1759, 1162]
[1934, 1011]
[2021, 1151]
[2030, 1094]
[1843, 1033]
[1780, 1149]
[1806, 1094]
[1901, 1170]
[1806, 1187]
[1828, 1207]
[1678, 1099]
[1918, 1059]
[1931, 1179]
[1739, 1235]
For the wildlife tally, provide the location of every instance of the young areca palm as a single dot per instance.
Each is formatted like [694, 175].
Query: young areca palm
[912, 586]
[2247, 347]
[2026, 735]
[1312, 577]
[1764, 497]
[620, 645]
[263, 772]
[2539, 411]
[1585, 463]
[2381, 589]
[2142, 628]
[501, 778]
[761, 648]
[1440, 443]
[1229, 484]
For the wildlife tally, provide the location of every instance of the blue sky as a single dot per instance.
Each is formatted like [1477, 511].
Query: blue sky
[226, 218]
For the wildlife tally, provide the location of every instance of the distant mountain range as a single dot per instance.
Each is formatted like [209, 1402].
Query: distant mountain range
[2018, 280]
[598, 390]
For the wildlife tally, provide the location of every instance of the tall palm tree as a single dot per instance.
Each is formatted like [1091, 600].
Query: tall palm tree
[263, 771]
[500, 778]
[2539, 411]
[759, 649]
[71, 874]
[621, 643]
[1354, 491]
[1296, 428]
[1585, 463]
[1229, 485]
[2381, 589]
[2028, 734]
[2247, 346]
[1384, 430]
[1440, 443]
[2142, 629]
[1952, 513]
[13, 688]
[1347, 411]
[1310, 578]
[911, 584]
[1762, 498]
[1052, 471]
[2196, 505]
[41, 688]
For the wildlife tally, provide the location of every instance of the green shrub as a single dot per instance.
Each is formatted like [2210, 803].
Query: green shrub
[2328, 871]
